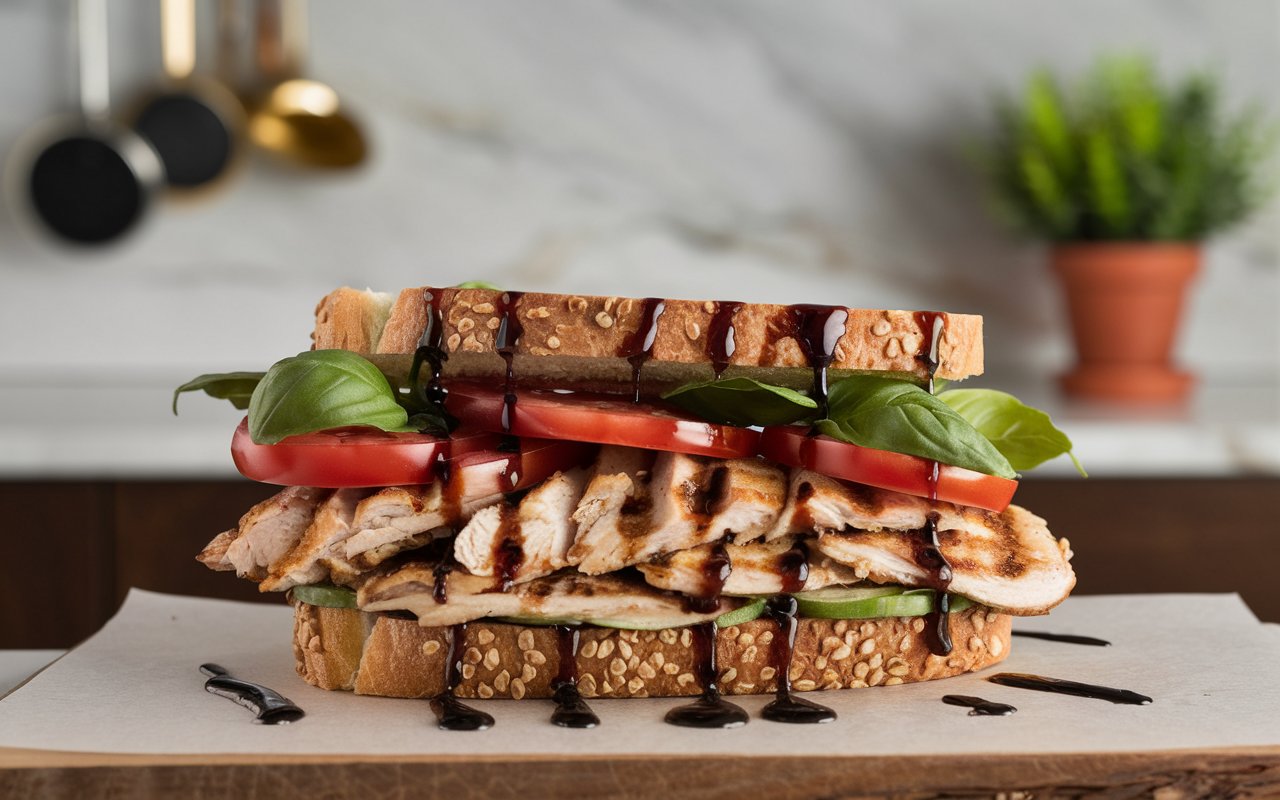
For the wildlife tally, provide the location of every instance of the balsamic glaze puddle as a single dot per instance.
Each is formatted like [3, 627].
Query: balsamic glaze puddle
[711, 710]
[1040, 683]
[571, 710]
[455, 715]
[979, 707]
[452, 713]
[1066, 638]
[785, 707]
[271, 707]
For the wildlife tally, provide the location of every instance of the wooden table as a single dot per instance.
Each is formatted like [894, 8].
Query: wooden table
[1169, 774]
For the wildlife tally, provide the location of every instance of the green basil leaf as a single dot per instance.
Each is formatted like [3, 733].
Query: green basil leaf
[478, 285]
[234, 386]
[322, 389]
[904, 418]
[1025, 435]
[743, 402]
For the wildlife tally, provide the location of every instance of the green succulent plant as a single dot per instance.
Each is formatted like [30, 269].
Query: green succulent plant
[1121, 156]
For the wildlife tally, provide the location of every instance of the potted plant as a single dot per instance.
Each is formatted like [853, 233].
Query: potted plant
[1126, 176]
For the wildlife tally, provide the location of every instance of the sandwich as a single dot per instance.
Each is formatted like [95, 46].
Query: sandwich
[496, 494]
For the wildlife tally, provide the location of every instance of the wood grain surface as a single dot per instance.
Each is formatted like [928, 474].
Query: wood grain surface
[1168, 775]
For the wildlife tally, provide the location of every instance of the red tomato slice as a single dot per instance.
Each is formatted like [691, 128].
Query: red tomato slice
[599, 419]
[350, 457]
[791, 445]
[508, 470]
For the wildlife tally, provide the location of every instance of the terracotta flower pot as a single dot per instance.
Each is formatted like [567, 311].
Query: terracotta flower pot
[1125, 301]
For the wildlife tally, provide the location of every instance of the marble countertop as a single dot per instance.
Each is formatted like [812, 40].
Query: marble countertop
[59, 430]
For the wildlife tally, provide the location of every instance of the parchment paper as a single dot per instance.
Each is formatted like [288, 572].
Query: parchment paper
[135, 688]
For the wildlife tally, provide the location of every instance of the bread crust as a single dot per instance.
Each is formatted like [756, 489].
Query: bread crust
[395, 657]
[351, 319]
[575, 340]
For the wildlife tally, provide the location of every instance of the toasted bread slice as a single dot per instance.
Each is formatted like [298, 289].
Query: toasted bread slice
[584, 342]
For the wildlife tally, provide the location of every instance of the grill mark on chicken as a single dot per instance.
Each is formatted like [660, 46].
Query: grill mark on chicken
[663, 509]
[754, 569]
[1011, 563]
[515, 543]
[681, 502]
[566, 594]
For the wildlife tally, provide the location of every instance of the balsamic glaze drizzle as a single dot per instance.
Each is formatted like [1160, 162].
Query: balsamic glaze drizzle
[793, 568]
[979, 707]
[1040, 683]
[453, 714]
[450, 489]
[785, 707]
[505, 341]
[508, 549]
[440, 576]
[715, 571]
[638, 346]
[720, 336]
[1065, 638]
[933, 325]
[710, 710]
[929, 557]
[927, 551]
[571, 710]
[819, 330]
[429, 352]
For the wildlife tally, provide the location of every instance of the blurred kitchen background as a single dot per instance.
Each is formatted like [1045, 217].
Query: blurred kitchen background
[754, 150]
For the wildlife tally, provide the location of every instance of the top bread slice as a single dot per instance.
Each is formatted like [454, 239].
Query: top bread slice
[581, 341]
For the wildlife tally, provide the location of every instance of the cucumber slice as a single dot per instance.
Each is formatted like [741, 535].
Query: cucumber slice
[536, 621]
[746, 613]
[324, 594]
[655, 624]
[838, 602]
[742, 614]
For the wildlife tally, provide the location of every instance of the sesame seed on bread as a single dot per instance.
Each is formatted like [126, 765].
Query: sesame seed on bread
[390, 656]
[579, 341]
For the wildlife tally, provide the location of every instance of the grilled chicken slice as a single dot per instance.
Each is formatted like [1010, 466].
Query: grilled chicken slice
[818, 504]
[304, 535]
[310, 560]
[528, 540]
[775, 567]
[639, 505]
[1008, 561]
[566, 595]
[401, 518]
[266, 533]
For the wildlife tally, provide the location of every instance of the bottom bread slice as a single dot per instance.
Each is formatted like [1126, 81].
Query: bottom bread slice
[377, 654]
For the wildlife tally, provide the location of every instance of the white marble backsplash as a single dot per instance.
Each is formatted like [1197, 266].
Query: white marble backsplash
[744, 149]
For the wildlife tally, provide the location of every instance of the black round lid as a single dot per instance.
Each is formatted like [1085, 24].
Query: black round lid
[85, 190]
[192, 140]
